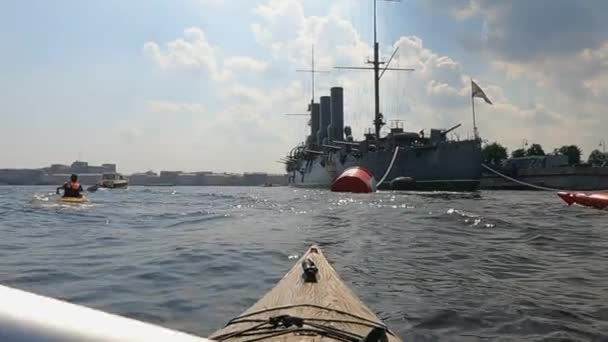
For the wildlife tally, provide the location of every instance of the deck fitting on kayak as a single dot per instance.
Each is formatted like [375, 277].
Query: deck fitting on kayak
[376, 335]
[286, 321]
[310, 271]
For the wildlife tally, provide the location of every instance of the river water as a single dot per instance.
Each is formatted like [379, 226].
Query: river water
[434, 266]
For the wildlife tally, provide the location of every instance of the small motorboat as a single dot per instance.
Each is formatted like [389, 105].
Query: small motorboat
[113, 181]
[599, 201]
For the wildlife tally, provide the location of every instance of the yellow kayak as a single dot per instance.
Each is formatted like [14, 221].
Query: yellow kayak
[76, 200]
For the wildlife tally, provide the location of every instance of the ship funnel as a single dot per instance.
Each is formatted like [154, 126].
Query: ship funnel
[324, 119]
[336, 129]
[314, 122]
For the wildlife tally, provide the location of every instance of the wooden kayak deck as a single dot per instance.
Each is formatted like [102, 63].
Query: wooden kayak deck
[307, 308]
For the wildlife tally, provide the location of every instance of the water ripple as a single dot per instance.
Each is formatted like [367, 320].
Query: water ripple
[434, 265]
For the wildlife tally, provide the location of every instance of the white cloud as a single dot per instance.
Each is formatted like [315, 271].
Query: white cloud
[288, 33]
[554, 55]
[244, 63]
[460, 9]
[127, 132]
[155, 106]
[247, 129]
[436, 94]
[250, 130]
[194, 51]
[278, 15]
[575, 84]
[191, 51]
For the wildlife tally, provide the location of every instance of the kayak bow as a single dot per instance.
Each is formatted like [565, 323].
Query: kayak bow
[310, 303]
[598, 200]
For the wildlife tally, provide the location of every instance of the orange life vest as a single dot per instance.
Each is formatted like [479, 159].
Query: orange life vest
[74, 185]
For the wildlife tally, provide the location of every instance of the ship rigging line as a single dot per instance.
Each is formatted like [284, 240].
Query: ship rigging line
[518, 181]
[528, 184]
[390, 166]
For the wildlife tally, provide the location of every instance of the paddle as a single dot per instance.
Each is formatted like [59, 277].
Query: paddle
[93, 188]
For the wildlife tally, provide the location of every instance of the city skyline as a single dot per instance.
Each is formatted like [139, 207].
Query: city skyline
[80, 167]
[204, 84]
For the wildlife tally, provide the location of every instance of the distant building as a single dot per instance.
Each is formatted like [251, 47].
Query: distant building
[109, 168]
[144, 178]
[549, 171]
[189, 179]
[57, 168]
[168, 177]
[218, 179]
[93, 169]
[79, 167]
[277, 179]
[546, 161]
[91, 174]
[255, 178]
[169, 173]
[21, 176]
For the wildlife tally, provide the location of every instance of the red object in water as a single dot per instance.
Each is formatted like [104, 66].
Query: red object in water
[354, 179]
[599, 201]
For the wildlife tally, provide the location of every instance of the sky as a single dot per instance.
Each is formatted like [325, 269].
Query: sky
[203, 85]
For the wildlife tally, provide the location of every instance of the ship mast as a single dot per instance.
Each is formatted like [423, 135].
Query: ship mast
[378, 121]
[312, 72]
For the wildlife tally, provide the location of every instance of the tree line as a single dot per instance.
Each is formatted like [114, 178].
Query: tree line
[495, 153]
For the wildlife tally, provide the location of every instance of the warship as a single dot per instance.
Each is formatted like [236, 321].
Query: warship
[400, 160]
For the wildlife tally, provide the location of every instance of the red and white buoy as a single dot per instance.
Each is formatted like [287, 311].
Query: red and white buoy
[355, 179]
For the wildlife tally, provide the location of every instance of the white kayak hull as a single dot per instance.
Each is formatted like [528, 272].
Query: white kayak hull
[27, 317]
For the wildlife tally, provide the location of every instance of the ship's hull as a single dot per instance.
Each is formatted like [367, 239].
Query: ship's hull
[447, 166]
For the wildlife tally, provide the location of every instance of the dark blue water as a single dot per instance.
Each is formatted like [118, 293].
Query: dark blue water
[492, 265]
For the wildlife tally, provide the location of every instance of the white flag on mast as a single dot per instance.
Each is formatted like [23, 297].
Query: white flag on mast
[477, 92]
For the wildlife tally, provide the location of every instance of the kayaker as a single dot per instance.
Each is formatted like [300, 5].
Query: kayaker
[71, 188]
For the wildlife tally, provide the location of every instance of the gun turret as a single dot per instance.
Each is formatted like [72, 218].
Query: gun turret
[332, 147]
[444, 133]
[314, 152]
[346, 143]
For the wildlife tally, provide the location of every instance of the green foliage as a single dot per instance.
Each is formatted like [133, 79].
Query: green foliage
[535, 150]
[493, 153]
[573, 152]
[597, 158]
[518, 153]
